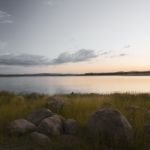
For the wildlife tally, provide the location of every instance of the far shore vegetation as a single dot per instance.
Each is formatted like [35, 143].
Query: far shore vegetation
[135, 107]
[119, 73]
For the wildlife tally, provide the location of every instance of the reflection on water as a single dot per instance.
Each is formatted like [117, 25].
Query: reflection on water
[93, 84]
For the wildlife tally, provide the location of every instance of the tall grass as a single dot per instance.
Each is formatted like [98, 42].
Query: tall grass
[80, 107]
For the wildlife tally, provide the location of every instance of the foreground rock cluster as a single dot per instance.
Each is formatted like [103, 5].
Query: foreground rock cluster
[42, 124]
[107, 125]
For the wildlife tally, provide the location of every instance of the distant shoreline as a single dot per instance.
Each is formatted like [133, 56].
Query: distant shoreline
[130, 73]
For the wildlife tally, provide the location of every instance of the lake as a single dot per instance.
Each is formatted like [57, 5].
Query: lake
[78, 84]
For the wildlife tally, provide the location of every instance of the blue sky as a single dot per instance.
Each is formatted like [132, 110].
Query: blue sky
[74, 35]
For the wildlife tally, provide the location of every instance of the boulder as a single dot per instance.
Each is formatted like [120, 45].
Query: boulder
[55, 104]
[21, 126]
[110, 126]
[39, 138]
[38, 115]
[71, 126]
[53, 126]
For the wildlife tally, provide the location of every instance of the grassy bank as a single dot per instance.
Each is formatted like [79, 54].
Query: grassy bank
[78, 106]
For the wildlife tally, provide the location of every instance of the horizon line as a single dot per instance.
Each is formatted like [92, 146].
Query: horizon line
[133, 73]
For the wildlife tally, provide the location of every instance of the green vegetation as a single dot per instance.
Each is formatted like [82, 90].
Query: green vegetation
[80, 107]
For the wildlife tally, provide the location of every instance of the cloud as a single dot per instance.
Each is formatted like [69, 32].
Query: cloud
[5, 17]
[81, 55]
[37, 60]
[22, 60]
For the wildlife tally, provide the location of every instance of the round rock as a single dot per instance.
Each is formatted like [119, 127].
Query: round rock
[38, 115]
[71, 126]
[21, 126]
[52, 126]
[109, 124]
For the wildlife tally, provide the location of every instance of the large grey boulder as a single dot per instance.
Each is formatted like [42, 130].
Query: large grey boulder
[55, 104]
[38, 115]
[109, 125]
[52, 126]
[21, 126]
[39, 138]
[71, 126]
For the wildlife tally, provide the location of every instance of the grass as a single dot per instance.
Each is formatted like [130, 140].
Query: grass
[80, 107]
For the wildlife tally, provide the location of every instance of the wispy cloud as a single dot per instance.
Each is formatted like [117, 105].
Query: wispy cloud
[35, 60]
[119, 55]
[123, 54]
[127, 46]
[5, 17]
[104, 52]
[111, 54]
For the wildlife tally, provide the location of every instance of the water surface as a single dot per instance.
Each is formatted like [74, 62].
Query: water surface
[87, 84]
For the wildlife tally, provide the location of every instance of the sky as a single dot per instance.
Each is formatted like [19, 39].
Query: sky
[74, 36]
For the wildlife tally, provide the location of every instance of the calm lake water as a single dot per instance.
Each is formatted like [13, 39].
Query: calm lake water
[93, 84]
